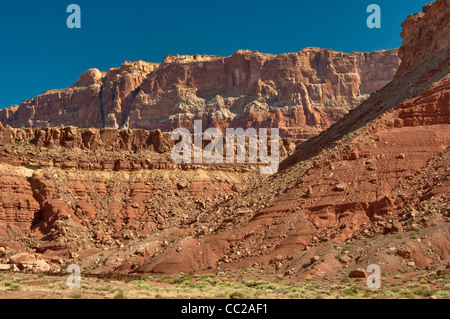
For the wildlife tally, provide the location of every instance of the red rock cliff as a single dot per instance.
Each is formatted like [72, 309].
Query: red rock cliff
[425, 33]
[302, 93]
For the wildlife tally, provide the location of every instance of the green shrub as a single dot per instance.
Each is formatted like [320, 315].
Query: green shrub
[119, 295]
[237, 295]
[76, 295]
[443, 295]
[141, 284]
[348, 292]
[15, 287]
[407, 293]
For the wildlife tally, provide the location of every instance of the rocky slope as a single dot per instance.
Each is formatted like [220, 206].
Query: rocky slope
[124, 182]
[301, 93]
[382, 169]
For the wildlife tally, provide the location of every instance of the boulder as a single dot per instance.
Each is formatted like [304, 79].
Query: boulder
[29, 263]
[357, 273]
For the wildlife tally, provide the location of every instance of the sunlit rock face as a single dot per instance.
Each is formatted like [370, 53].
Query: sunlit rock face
[301, 93]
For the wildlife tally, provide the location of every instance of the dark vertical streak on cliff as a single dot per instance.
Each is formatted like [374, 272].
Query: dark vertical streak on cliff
[102, 114]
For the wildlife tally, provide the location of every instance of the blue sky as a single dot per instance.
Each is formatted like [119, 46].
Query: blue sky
[38, 52]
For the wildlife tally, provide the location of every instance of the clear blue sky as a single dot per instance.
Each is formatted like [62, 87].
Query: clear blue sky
[38, 51]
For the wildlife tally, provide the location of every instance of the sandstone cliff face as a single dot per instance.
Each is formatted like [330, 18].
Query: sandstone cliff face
[425, 33]
[301, 93]
[17, 205]
[88, 139]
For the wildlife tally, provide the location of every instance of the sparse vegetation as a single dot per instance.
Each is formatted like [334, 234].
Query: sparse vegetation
[223, 285]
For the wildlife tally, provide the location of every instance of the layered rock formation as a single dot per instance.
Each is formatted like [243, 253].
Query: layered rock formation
[383, 168]
[126, 178]
[389, 176]
[425, 33]
[106, 149]
[17, 205]
[88, 139]
[301, 93]
[377, 178]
